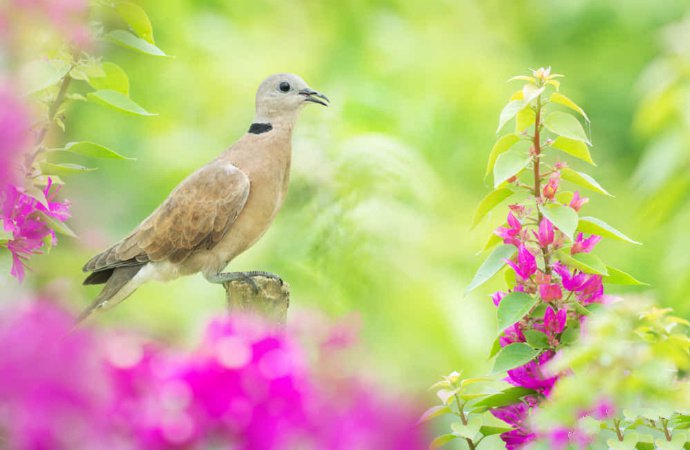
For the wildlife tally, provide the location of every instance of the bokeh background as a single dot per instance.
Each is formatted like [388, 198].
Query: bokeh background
[376, 228]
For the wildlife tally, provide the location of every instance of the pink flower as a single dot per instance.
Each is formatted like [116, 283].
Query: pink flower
[531, 376]
[553, 323]
[498, 296]
[570, 282]
[578, 202]
[15, 123]
[21, 215]
[604, 409]
[511, 335]
[582, 245]
[549, 191]
[546, 234]
[550, 292]
[511, 233]
[526, 264]
[515, 415]
[592, 290]
[67, 16]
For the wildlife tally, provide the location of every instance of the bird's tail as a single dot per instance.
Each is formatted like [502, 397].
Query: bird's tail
[114, 291]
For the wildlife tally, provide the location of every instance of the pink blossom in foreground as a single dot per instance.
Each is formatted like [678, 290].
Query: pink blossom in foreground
[245, 386]
[15, 123]
[582, 245]
[510, 234]
[497, 297]
[578, 202]
[526, 264]
[572, 282]
[511, 335]
[25, 218]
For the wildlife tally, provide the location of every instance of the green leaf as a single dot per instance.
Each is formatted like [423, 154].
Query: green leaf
[491, 242]
[441, 441]
[531, 92]
[524, 119]
[495, 348]
[563, 217]
[508, 112]
[56, 225]
[63, 169]
[536, 339]
[570, 334]
[469, 431]
[128, 40]
[592, 225]
[557, 97]
[584, 180]
[502, 145]
[512, 356]
[137, 19]
[509, 164]
[93, 150]
[506, 397]
[513, 307]
[617, 276]
[490, 431]
[42, 73]
[117, 101]
[493, 263]
[572, 147]
[433, 412]
[565, 125]
[586, 262]
[113, 79]
[490, 202]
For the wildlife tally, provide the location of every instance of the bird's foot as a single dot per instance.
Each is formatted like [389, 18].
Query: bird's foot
[247, 277]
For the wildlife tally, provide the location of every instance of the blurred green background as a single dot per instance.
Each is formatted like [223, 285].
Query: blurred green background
[385, 181]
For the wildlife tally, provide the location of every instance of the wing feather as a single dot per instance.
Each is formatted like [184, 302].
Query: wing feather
[196, 215]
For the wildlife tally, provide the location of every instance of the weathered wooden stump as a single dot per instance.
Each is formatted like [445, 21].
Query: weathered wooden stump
[270, 302]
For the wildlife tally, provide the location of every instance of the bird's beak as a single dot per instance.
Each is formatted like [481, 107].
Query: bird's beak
[311, 95]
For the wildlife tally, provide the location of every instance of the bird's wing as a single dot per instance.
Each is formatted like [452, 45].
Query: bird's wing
[196, 215]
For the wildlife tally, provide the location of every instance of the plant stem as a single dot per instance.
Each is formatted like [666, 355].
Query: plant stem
[664, 422]
[619, 433]
[463, 418]
[536, 162]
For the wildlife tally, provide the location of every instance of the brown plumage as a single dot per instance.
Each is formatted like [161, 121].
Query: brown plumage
[218, 211]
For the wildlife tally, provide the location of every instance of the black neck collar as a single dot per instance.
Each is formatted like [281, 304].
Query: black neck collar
[258, 128]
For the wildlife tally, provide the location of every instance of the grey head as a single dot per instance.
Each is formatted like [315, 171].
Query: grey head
[282, 96]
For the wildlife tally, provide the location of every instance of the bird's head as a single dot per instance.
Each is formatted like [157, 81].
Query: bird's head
[280, 97]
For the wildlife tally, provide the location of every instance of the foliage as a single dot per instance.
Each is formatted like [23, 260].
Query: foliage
[554, 279]
[32, 163]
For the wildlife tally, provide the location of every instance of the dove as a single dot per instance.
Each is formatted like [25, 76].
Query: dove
[217, 212]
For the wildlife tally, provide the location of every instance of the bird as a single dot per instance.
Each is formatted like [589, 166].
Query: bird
[218, 211]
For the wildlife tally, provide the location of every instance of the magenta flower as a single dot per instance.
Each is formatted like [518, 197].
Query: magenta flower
[604, 409]
[582, 245]
[510, 234]
[578, 202]
[511, 335]
[21, 216]
[546, 234]
[592, 290]
[498, 296]
[551, 187]
[516, 416]
[15, 123]
[531, 376]
[553, 323]
[570, 282]
[526, 264]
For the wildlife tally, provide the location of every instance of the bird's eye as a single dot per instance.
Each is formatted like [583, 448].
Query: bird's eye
[284, 86]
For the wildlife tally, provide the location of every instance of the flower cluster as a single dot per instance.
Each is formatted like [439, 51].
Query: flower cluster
[246, 386]
[28, 220]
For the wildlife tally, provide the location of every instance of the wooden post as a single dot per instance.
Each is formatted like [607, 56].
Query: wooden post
[270, 302]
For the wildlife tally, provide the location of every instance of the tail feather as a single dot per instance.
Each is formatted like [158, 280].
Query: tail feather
[116, 282]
